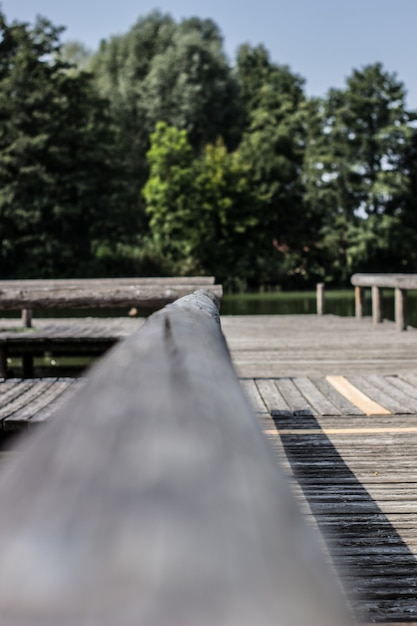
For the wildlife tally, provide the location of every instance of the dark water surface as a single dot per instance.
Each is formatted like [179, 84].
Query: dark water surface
[304, 302]
[266, 303]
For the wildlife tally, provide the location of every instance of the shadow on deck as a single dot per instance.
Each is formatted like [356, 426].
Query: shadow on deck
[376, 567]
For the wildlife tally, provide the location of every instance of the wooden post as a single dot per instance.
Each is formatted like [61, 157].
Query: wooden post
[27, 318]
[376, 305]
[154, 498]
[401, 308]
[359, 299]
[320, 298]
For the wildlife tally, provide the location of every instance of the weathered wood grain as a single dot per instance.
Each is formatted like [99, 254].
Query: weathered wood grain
[320, 403]
[97, 282]
[404, 395]
[274, 346]
[296, 401]
[379, 393]
[256, 401]
[345, 407]
[401, 281]
[39, 400]
[94, 296]
[272, 397]
[153, 499]
[357, 395]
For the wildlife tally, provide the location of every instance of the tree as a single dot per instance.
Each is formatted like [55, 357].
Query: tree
[190, 86]
[201, 210]
[76, 54]
[55, 156]
[354, 161]
[272, 146]
[256, 73]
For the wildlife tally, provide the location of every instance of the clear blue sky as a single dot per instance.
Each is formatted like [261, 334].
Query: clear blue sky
[320, 39]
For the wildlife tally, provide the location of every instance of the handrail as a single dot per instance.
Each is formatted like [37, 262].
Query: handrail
[399, 282]
[87, 293]
[154, 498]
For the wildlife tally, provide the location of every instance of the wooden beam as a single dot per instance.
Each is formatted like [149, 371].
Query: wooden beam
[389, 281]
[88, 296]
[96, 282]
[154, 498]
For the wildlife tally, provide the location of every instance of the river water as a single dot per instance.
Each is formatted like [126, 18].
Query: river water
[266, 303]
[304, 302]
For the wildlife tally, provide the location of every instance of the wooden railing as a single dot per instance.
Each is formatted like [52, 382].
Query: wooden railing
[399, 282]
[69, 293]
[154, 498]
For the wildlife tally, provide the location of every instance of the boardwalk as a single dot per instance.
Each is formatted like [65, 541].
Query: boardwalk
[351, 463]
[299, 345]
[355, 474]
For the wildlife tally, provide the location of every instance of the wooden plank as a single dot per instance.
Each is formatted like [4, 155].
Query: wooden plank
[153, 498]
[318, 400]
[409, 377]
[273, 399]
[345, 407]
[41, 401]
[389, 385]
[373, 389]
[254, 397]
[405, 387]
[295, 400]
[52, 408]
[356, 397]
[28, 394]
[9, 393]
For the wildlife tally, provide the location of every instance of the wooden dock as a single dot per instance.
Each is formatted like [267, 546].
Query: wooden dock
[352, 463]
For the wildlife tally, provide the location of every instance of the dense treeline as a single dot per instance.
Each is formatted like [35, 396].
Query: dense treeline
[156, 155]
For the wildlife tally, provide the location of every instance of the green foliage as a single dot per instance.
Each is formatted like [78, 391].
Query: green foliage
[169, 189]
[199, 209]
[265, 84]
[55, 162]
[356, 178]
[190, 86]
[154, 155]
[76, 54]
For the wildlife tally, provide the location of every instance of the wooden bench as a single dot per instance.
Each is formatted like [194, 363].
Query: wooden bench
[399, 282]
[154, 498]
[128, 293]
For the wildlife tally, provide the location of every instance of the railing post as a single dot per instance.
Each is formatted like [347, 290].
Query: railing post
[376, 305]
[320, 298]
[359, 298]
[27, 318]
[401, 308]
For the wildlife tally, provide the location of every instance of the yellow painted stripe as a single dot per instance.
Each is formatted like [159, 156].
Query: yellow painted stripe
[356, 397]
[340, 431]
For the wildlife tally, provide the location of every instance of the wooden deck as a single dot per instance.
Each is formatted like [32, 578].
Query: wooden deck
[352, 465]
